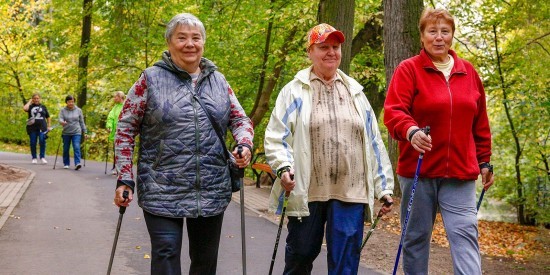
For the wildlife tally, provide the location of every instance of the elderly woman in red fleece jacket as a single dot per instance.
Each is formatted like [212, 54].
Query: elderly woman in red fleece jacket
[438, 89]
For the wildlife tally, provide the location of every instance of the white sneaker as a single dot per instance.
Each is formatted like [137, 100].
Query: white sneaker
[78, 166]
[34, 161]
[66, 167]
[44, 161]
[114, 172]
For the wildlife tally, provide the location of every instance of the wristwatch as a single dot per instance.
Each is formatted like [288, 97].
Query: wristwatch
[486, 165]
[282, 170]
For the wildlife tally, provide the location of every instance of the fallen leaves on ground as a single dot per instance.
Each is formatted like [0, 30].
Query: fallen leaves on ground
[498, 239]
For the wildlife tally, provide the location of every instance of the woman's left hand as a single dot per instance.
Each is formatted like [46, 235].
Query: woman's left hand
[387, 204]
[243, 160]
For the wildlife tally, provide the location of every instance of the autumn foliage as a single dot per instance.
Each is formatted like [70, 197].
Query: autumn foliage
[497, 239]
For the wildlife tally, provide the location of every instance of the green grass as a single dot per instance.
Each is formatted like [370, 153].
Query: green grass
[14, 148]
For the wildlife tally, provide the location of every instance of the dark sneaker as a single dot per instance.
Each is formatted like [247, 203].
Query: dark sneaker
[78, 166]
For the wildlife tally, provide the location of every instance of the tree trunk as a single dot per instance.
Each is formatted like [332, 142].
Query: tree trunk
[339, 14]
[84, 53]
[401, 41]
[262, 104]
[259, 94]
[519, 150]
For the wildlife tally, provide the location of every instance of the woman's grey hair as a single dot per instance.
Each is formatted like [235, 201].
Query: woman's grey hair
[185, 19]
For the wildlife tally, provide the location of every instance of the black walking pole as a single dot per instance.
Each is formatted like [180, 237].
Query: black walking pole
[106, 156]
[483, 191]
[243, 234]
[85, 151]
[409, 206]
[380, 214]
[285, 203]
[480, 199]
[121, 211]
[57, 152]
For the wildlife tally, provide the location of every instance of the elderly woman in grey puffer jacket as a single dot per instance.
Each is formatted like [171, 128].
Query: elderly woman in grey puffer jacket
[182, 169]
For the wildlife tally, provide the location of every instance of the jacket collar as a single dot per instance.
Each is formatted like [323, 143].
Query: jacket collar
[207, 66]
[354, 86]
[428, 63]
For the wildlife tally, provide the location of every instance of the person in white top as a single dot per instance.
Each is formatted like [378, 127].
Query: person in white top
[324, 143]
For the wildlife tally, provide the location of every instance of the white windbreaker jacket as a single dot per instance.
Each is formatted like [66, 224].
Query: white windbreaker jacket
[287, 143]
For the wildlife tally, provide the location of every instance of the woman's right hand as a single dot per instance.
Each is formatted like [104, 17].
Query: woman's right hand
[287, 180]
[119, 200]
[420, 141]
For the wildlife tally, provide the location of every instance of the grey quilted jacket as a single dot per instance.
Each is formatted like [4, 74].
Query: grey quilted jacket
[182, 169]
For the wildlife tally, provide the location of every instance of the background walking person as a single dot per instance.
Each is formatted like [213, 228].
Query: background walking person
[438, 89]
[323, 131]
[38, 123]
[72, 120]
[112, 121]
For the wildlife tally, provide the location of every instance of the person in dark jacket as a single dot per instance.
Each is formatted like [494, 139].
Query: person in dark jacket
[438, 89]
[182, 172]
[38, 123]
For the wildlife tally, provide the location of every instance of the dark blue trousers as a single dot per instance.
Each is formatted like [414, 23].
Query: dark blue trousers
[166, 237]
[344, 233]
[37, 136]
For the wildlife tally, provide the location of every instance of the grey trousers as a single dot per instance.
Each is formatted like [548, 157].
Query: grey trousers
[456, 200]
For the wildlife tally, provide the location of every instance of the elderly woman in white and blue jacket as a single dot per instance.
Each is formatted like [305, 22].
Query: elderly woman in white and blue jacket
[323, 141]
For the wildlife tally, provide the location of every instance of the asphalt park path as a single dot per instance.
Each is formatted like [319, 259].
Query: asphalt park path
[65, 222]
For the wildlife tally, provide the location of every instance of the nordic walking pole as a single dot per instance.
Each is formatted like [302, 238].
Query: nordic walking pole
[483, 191]
[85, 151]
[57, 152]
[121, 211]
[243, 234]
[409, 206]
[106, 156]
[480, 199]
[386, 203]
[285, 203]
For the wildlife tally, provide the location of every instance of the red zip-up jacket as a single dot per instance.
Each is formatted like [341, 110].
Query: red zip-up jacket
[419, 95]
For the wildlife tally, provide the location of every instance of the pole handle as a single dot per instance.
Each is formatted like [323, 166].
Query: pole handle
[122, 209]
[240, 153]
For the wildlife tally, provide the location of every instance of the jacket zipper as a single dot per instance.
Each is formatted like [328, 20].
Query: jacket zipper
[197, 152]
[450, 126]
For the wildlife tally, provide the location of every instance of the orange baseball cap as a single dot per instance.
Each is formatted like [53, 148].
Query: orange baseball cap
[321, 32]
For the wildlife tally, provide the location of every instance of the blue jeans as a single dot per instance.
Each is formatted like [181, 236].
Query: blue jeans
[166, 237]
[456, 200]
[40, 137]
[344, 233]
[76, 149]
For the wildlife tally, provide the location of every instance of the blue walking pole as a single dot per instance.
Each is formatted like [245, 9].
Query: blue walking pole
[409, 206]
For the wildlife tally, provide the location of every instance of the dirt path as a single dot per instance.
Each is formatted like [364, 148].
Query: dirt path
[381, 250]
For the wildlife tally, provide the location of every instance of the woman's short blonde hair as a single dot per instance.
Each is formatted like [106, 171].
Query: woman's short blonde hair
[430, 15]
[120, 94]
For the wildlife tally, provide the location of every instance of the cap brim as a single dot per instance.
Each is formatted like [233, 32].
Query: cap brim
[338, 34]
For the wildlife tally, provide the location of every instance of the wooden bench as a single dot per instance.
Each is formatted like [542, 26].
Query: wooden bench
[259, 166]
